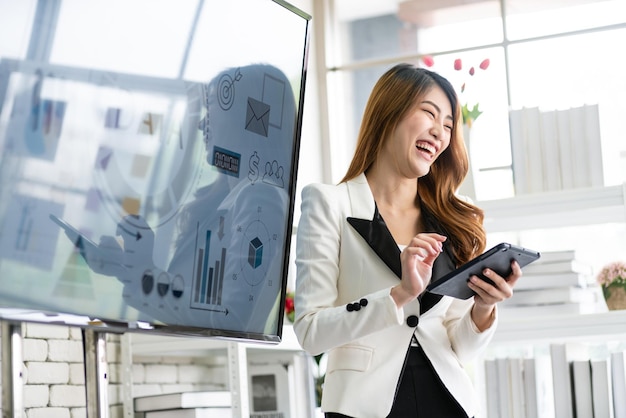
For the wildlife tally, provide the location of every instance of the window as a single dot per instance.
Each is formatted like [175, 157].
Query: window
[547, 54]
[15, 27]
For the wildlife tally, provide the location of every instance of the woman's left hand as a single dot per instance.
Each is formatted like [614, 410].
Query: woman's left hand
[488, 294]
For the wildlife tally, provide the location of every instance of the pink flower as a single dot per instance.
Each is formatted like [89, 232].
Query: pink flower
[470, 113]
[428, 61]
[612, 273]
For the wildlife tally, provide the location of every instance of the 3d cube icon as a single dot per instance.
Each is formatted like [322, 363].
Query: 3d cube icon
[255, 253]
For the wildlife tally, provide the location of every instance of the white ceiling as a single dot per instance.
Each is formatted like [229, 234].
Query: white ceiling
[359, 9]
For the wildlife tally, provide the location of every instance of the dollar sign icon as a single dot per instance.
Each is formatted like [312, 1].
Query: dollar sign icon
[253, 170]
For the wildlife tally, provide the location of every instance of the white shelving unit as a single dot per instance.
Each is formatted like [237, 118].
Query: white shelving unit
[237, 355]
[566, 208]
[588, 327]
[522, 336]
[556, 209]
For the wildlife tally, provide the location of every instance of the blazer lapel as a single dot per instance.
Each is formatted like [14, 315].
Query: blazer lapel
[375, 232]
[377, 235]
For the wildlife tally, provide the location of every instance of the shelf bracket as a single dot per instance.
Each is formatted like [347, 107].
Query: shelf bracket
[238, 379]
[12, 378]
[96, 374]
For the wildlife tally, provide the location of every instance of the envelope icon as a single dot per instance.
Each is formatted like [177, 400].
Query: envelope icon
[257, 117]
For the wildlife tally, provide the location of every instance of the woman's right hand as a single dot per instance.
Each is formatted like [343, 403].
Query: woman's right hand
[417, 261]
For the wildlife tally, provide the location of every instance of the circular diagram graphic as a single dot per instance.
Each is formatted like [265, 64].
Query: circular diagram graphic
[226, 89]
[147, 282]
[163, 284]
[178, 286]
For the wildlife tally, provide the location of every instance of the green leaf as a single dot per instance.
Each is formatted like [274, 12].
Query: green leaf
[470, 115]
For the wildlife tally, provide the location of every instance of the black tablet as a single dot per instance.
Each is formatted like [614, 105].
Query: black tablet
[498, 259]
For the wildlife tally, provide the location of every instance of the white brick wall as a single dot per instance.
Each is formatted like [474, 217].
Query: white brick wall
[48, 413]
[54, 374]
[36, 396]
[51, 373]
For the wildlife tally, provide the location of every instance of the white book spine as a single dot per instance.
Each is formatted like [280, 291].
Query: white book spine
[545, 281]
[551, 153]
[518, 151]
[549, 296]
[534, 150]
[565, 147]
[561, 382]
[602, 392]
[556, 256]
[594, 145]
[558, 309]
[581, 383]
[491, 384]
[504, 387]
[544, 382]
[618, 373]
[581, 167]
[530, 388]
[575, 266]
[516, 378]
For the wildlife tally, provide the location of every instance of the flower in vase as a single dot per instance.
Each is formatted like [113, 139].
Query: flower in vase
[614, 273]
[470, 112]
[612, 279]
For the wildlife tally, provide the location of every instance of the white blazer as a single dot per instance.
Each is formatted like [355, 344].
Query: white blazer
[366, 346]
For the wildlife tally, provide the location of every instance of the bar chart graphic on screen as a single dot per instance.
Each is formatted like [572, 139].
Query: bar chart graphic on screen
[209, 280]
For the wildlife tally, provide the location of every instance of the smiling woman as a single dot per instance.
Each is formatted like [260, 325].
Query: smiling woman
[368, 247]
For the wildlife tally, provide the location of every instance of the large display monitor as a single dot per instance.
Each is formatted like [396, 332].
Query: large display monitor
[139, 202]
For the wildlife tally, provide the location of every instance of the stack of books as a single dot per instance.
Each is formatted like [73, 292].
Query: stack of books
[556, 150]
[558, 283]
[203, 404]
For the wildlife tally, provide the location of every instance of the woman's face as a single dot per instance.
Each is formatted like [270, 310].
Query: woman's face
[421, 136]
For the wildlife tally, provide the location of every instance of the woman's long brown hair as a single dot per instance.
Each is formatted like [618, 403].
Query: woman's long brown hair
[395, 94]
